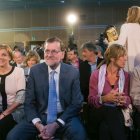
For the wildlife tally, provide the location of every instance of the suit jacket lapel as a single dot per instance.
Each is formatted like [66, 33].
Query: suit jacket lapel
[62, 81]
[44, 70]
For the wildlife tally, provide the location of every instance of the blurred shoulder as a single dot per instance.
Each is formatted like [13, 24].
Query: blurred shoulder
[127, 74]
[136, 70]
[38, 66]
[69, 69]
[95, 73]
[17, 69]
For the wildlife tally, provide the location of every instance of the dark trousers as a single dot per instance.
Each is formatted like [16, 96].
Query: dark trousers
[136, 118]
[73, 130]
[107, 123]
[6, 124]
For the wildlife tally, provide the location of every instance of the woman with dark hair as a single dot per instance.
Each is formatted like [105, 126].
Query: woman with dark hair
[108, 95]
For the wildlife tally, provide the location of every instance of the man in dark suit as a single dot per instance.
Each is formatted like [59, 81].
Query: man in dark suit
[69, 99]
[90, 63]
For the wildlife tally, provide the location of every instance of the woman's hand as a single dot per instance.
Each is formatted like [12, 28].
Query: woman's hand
[112, 96]
[2, 116]
[121, 100]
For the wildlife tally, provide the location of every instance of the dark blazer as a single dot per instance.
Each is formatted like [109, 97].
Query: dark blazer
[85, 72]
[36, 99]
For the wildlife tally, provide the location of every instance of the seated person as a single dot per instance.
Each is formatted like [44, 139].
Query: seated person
[109, 95]
[31, 59]
[18, 58]
[73, 58]
[86, 67]
[12, 92]
[135, 94]
[53, 99]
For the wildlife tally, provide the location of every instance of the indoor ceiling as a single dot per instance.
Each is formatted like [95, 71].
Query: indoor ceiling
[12, 4]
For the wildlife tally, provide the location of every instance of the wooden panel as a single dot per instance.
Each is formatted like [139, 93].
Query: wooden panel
[6, 37]
[6, 19]
[22, 18]
[22, 36]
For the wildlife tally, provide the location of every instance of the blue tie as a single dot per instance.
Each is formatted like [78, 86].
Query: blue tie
[52, 100]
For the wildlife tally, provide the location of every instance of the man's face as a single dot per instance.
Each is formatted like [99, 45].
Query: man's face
[87, 54]
[71, 56]
[18, 57]
[53, 54]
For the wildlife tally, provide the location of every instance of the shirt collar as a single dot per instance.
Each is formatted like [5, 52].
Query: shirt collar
[57, 70]
[93, 63]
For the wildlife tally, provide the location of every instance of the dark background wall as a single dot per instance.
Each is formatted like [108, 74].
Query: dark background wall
[24, 25]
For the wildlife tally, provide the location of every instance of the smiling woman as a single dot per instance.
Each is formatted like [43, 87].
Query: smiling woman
[12, 88]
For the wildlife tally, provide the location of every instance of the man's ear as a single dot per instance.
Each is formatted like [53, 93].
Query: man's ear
[62, 55]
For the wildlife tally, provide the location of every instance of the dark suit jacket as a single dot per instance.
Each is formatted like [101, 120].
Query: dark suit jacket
[85, 72]
[38, 87]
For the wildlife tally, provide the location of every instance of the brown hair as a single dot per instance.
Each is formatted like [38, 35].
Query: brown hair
[133, 15]
[55, 39]
[8, 49]
[114, 51]
[31, 54]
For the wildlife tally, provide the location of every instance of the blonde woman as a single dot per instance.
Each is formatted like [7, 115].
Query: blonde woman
[130, 37]
[12, 92]
[108, 95]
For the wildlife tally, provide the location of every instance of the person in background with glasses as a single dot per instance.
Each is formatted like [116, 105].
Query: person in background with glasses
[47, 116]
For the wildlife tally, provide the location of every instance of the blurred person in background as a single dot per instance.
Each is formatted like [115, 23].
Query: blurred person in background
[73, 58]
[90, 63]
[31, 59]
[102, 42]
[135, 95]
[18, 58]
[130, 37]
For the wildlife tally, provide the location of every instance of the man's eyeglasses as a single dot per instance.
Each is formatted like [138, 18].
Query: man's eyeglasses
[53, 52]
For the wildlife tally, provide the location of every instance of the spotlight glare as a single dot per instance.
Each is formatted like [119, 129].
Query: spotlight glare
[71, 18]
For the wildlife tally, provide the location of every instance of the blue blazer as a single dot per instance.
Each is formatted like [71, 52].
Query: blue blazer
[36, 98]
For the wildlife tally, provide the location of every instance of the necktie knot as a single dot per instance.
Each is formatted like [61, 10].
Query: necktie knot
[52, 73]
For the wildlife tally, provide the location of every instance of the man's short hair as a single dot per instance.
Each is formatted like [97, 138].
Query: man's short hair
[90, 46]
[55, 39]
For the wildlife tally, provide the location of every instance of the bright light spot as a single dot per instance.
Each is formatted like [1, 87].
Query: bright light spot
[72, 19]
[62, 1]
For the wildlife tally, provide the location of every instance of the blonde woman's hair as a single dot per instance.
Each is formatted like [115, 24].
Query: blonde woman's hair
[31, 54]
[8, 49]
[114, 51]
[133, 15]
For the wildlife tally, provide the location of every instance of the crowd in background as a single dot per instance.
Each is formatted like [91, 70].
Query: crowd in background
[109, 81]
